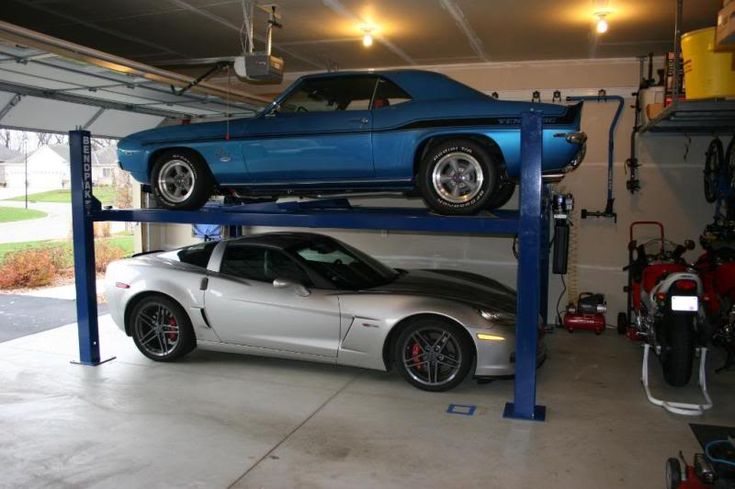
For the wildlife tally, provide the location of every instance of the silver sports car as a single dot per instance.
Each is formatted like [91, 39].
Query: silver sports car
[311, 297]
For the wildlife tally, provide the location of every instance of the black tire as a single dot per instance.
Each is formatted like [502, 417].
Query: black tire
[458, 164]
[181, 172]
[622, 323]
[172, 340]
[729, 162]
[447, 367]
[502, 195]
[673, 473]
[678, 353]
[712, 166]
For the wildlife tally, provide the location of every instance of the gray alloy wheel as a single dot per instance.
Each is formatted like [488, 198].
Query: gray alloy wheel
[176, 180]
[457, 177]
[181, 180]
[433, 354]
[161, 329]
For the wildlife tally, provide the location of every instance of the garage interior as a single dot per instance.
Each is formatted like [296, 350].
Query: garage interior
[220, 420]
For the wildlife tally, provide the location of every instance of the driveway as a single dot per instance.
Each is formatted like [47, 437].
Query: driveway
[56, 225]
[21, 315]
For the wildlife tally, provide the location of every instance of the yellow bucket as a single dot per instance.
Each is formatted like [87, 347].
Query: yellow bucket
[707, 74]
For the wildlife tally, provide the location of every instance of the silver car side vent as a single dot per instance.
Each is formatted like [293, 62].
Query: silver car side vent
[204, 318]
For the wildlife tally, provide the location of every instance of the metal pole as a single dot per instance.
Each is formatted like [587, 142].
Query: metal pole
[82, 206]
[529, 272]
[676, 89]
[25, 152]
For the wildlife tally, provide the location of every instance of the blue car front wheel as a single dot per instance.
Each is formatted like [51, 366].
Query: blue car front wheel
[458, 177]
[181, 180]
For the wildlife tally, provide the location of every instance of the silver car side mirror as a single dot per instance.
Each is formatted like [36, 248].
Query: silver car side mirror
[282, 283]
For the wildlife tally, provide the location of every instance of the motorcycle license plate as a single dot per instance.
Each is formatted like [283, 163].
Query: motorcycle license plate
[688, 303]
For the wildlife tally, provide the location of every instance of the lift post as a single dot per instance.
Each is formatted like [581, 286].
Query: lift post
[531, 241]
[530, 224]
[83, 204]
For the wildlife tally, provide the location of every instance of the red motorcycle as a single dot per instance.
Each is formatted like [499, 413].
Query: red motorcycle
[716, 267]
[664, 302]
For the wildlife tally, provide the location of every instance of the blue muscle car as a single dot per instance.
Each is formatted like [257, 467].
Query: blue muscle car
[405, 131]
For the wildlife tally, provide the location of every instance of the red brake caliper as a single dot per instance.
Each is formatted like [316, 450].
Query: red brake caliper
[171, 335]
[416, 352]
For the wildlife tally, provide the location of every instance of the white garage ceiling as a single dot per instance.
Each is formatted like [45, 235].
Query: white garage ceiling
[322, 33]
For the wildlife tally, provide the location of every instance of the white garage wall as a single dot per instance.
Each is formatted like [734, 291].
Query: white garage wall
[672, 188]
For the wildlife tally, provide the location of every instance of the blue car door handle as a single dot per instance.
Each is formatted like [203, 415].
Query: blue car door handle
[363, 120]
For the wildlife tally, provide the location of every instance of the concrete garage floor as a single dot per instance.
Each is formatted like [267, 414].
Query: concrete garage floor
[217, 421]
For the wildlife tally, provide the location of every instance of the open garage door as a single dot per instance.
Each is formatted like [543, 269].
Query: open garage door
[47, 84]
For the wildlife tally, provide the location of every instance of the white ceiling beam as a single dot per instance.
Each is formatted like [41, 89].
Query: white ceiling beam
[459, 18]
[112, 32]
[226, 23]
[336, 6]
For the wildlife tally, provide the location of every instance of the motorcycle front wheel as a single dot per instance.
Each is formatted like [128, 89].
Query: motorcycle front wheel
[679, 352]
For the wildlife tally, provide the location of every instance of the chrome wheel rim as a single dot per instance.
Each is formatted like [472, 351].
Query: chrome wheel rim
[457, 177]
[157, 330]
[176, 180]
[432, 356]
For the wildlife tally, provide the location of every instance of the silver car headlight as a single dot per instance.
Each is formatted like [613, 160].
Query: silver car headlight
[492, 316]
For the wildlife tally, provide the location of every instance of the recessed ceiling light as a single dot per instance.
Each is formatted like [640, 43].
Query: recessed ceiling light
[601, 26]
[367, 38]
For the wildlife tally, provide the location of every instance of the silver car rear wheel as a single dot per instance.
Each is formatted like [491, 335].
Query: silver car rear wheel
[433, 354]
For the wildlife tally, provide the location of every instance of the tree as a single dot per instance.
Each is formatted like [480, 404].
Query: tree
[5, 137]
[44, 138]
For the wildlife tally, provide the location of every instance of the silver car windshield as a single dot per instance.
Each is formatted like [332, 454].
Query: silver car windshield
[343, 265]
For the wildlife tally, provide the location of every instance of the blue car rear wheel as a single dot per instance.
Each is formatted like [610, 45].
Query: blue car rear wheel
[458, 177]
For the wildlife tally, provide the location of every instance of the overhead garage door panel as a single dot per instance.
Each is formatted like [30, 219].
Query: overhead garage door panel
[12, 76]
[49, 115]
[116, 123]
[5, 98]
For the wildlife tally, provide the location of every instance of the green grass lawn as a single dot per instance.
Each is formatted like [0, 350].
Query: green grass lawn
[11, 214]
[123, 241]
[104, 193]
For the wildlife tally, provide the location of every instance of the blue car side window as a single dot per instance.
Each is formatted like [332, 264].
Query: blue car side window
[331, 94]
[388, 93]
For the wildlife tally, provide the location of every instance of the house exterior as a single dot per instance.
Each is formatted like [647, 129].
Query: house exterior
[6, 154]
[48, 169]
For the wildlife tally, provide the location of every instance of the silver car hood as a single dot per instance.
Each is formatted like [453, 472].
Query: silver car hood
[454, 285]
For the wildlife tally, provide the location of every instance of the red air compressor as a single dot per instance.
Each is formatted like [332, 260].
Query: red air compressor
[588, 313]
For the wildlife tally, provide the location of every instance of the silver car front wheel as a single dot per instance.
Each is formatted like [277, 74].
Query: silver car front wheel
[433, 354]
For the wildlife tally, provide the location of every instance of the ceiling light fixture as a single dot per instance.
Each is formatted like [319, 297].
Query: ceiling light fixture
[367, 38]
[601, 25]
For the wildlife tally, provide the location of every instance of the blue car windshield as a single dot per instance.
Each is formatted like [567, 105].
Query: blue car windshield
[344, 266]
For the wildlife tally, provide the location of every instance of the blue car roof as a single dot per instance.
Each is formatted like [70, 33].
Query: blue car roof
[420, 84]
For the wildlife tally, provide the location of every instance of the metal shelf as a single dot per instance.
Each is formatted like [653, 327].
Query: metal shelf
[530, 223]
[711, 116]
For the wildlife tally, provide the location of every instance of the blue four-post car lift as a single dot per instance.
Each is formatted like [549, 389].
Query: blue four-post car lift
[530, 223]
